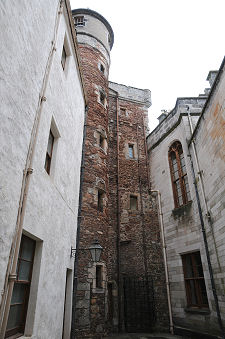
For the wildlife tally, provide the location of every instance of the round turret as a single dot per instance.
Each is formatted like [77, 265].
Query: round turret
[93, 29]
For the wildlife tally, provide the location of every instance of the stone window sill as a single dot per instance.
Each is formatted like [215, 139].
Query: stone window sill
[195, 310]
[182, 210]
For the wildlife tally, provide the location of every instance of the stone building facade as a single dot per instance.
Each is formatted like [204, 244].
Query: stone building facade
[186, 153]
[42, 117]
[117, 207]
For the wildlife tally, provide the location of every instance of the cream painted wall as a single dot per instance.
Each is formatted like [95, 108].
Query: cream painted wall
[51, 211]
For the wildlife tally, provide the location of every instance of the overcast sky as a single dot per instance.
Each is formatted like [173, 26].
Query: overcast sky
[167, 46]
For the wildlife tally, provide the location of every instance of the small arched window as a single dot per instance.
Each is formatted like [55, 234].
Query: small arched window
[179, 178]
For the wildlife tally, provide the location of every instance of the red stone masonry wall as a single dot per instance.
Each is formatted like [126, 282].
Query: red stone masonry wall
[140, 243]
[90, 306]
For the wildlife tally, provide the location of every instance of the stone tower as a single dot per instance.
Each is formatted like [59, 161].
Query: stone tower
[117, 205]
[95, 40]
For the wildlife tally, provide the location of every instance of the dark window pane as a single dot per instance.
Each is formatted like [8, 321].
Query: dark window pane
[198, 265]
[18, 293]
[14, 318]
[27, 249]
[203, 291]
[63, 59]
[133, 202]
[189, 272]
[193, 292]
[24, 270]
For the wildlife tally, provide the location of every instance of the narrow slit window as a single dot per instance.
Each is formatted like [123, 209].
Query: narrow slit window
[131, 151]
[63, 58]
[98, 276]
[101, 141]
[49, 152]
[102, 98]
[133, 202]
[100, 200]
[102, 68]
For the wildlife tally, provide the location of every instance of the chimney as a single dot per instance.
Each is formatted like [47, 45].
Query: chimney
[162, 116]
[211, 77]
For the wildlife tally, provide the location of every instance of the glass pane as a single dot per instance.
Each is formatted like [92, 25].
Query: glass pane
[131, 151]
[50, 143]
[203, 292]
[133, 203]
[15, 315]
[188, 265]
[198, 264]
[24, 270]
[180, 201]
[18, 293]
[27, 249]
[188, 196]
[193, 292]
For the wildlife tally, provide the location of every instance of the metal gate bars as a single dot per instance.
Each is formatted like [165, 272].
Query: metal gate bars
[139, 306]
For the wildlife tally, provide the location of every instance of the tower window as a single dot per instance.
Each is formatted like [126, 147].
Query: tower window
[179, 178]
[79, 21]
[133, 202]
[102, 68]
[194, 280]
[100, 200]
[122, 111]
[49, 152]
[98, 276]
[63, 58]
[131, 151]
[102, 98]
[101, 141]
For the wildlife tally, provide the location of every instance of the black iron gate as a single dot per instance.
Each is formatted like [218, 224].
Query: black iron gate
[139, 309]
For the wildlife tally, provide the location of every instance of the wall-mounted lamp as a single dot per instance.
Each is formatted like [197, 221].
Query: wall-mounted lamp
[95, 249]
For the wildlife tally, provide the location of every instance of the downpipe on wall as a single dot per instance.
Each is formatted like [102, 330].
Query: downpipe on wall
[15, 247]
[163, 237]
[82, 168]
[165, 259]
[203, 227]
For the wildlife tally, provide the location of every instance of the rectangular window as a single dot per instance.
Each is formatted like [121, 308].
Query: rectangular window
[122, 111]
[98, 276]
[102, 98]
[100, 200]
[21, 289]
[79, 21]
[194, 280]
[131, 151]
[49, 152]
[133, 202]
[63, 58]
[101, 141]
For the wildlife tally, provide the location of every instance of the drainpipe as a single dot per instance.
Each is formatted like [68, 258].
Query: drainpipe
[203, 228]
[118, 213]
[14, 252]
[165, 259]
[199, 172]
[163, 236]
[79, 216]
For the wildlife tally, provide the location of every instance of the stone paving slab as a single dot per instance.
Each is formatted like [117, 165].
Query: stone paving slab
[144, 336]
